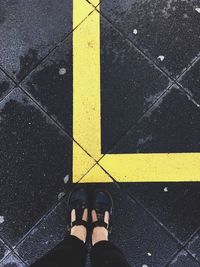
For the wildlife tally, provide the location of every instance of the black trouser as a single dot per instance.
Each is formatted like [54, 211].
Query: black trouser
[72, 252]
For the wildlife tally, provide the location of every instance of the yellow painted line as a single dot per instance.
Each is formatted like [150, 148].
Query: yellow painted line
[153, 167]
[86, 80]
[86, 83]
[87, 122]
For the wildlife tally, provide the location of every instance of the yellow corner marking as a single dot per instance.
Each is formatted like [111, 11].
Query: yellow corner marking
[87, 122]
[81, 9]
[96, 175]
[81, 163]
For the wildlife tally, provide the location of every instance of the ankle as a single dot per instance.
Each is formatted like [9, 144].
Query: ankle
[79, 232]
[99, 234]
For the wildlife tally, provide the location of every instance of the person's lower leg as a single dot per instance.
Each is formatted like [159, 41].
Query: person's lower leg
[79, 231]
[99, 233]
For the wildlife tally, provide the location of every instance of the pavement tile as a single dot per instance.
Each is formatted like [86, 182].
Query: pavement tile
[183, 259]
[136, 233]
[175, 205]
[29, 30]
[5, 85]
[12, 261]
[4, 250]
[171, 126]
[194, 246]
[191, 81]
[164, 30]
[35, 157]
[51, 84]
[129, 85]
[46, 235]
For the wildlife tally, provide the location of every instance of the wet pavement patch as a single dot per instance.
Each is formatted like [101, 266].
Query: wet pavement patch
[30, 30]
[51, 84]
[27, 63]
[12, 261]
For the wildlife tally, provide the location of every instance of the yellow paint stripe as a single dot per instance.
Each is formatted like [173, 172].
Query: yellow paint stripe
[86, 83]
[153, 167]
[81, 10]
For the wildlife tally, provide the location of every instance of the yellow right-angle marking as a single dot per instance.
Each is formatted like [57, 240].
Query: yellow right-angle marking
[87, 121]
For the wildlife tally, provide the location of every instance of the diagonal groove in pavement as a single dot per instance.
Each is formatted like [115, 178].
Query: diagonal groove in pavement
[95, 6]
[12, 252]
[177, 253]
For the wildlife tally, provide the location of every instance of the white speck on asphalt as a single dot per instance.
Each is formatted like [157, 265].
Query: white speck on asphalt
[66, 179]
[62, 71]
[197, 9]
[161, 58]
[135, 31]
[1, 219]
[144, 265]
[166, 189]
[149, 254]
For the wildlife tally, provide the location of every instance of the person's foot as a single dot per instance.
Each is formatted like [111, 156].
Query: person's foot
[100, 233]
[79, 231]
[78, 205]
[101, 212]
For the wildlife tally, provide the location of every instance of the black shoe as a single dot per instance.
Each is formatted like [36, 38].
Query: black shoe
[78, 201]
[102, 202]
